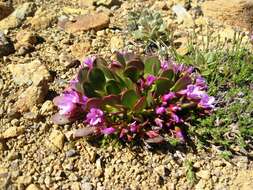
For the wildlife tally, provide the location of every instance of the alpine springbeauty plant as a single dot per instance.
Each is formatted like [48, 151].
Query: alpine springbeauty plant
[133, 97]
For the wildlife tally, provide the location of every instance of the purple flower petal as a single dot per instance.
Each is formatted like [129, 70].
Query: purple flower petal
[168, 97]
[160, 110]
[108, 131]
[206, 102]
[159, 122]
[88, 62]
[150, 80]
[95, 116]
[133, 127]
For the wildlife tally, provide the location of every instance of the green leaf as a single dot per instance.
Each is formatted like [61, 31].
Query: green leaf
[83, 74]
[162, 85]
[97, 78]
[94, 103]
[182, 83]
[112, 87]
[152, 65]
[140, 104]
[129, 98]
[89, 90]
[111, 100]
[137, 62]
[132, 73]
[120, 59]
[169, 74]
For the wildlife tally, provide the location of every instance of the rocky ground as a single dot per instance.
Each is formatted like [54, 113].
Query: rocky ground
[41, 45]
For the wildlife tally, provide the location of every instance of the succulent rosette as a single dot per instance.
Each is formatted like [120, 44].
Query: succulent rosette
[133, 97]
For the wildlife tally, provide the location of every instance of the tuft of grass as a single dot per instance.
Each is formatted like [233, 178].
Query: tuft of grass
[190, 173]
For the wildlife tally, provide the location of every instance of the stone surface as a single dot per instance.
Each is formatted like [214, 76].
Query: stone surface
[204, 174]
[80, 50]
[13, 132]
[116, 44]
[6, 46]
[29, 73]
[96, 21]
[57, 138]
[183, 16]
[42, 19]
[16, 18]
[5, 10]
[238, 13]
[26, 41]
[33, 187]
[31, 97]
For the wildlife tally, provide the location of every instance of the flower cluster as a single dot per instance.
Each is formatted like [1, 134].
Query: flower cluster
[133, 97]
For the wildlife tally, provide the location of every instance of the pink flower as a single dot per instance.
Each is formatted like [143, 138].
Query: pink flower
[95, 116]
[206, 102]
[150, 80]
[133, 127]
[69, 101]
[160, 110]
[108, 131]
[159, 122]
[88, 62]
[168, 97]
[193, 92]
[123, 132]
[152, 134]
[201, 82]
[174, 108]
[165, 65]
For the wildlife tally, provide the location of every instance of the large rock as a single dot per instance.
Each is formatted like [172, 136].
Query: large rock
[12, 132]
[43, 19]
[238, 13]
[96, 21]
[16, 18]
[6, 46]
[29, 73]
[5, 10]
[31, 97]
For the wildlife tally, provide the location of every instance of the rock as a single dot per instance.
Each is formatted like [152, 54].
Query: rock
[5, 10]
[182, 44]
[183, 16]
[75, 186]
[67, 60]
[16, 18]
[107, 3]
[96, 21]
[24, 180]
[47, 107]
[79, 11]
[26, 40]
[71, 153]
[13, 132]
[80, 50]
[116, 43]
[29, 73]
[42, 19]
[57, 138]
[204, 174]
[86, 186]
[6, 46]
[32, 187]
[237, 13]
[31, 97]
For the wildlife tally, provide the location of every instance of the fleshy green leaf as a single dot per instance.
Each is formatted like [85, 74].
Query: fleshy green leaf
[112, 87]
[94, 103]
[136, 63]
[89, 90]
[97, 78]
[182, 83]
[169, 74]
[152, 65]
[121, 59]
[140, 104]
[82, 74]
[111, 100]
[129, 98]
[162, 85]
[132, 73]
